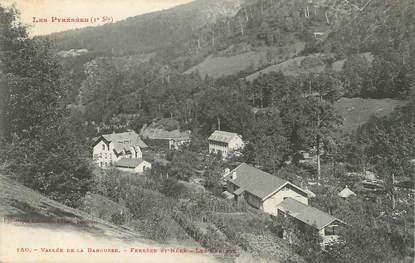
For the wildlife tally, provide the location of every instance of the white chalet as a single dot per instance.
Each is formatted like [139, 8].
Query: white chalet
[261, 190]
[108, 149]
[224, 143]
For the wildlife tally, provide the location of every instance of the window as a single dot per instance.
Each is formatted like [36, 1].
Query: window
[105, 155]
[330, 230]
[100, 164]
[103, 147]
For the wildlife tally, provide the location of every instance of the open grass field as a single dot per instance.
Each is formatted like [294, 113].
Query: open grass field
[295, 66]
[225, 66]
[357, 111]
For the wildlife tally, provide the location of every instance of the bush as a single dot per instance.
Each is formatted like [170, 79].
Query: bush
[173, 188]
[118, 219]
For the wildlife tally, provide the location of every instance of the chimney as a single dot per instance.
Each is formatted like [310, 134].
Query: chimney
[233, 175]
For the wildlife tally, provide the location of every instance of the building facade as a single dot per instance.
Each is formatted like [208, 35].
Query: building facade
[225, 143]
[279, 197]
[133, 165]
[309, 218]
[261, 190]
[110, 148]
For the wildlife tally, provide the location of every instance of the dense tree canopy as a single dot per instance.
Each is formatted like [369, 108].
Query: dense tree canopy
[40, 148]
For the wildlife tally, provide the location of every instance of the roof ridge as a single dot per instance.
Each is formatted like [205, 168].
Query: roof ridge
[312, 207]
[263, 172]
[302, 214]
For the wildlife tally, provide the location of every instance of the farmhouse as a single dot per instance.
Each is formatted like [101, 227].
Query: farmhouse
[224, 143]
[111, 148]
[260, 189]
[279, 197]
[305, 216]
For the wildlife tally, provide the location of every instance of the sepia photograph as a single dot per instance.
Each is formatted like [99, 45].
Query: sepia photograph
[207, 131]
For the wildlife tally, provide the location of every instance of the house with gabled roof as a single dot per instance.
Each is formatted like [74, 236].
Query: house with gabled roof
[303, 215]
[111, 148]
[132, 165]
[261, 190]
[168, 139]
[277, 197]
[224, 143]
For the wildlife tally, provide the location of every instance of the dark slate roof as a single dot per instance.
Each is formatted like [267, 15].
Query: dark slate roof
[222, 136]
[307, 214]
[162, 134]
[131, 136]
[128, 163]
[255, 181]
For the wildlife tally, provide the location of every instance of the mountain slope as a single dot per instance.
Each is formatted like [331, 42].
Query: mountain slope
[147, 32]
[34, 221]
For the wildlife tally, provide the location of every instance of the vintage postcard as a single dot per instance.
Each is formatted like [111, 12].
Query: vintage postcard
[231, 131]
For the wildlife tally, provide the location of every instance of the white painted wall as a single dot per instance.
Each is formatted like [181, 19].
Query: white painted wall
[270, 204]
[227, 148]
[142, 167]
[236, 144]
[137, 170]
[104, 156]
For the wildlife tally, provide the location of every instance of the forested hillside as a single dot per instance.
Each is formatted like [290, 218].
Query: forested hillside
[321, 91]
[148, 32]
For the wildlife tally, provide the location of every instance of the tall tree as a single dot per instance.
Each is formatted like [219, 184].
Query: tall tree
[41, 151]
[308, 113]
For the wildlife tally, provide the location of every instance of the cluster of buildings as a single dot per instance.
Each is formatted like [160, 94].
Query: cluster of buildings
[280, 198]
[120, 150]
[124, 151]
[261, 190]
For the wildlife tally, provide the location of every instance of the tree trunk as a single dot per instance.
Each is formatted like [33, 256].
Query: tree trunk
[242, 26]
[327, 18]
[318, 159]
[318, 141]
[246, 15]
[393, 194]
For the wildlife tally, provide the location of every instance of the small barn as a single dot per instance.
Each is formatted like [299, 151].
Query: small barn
[133, 165]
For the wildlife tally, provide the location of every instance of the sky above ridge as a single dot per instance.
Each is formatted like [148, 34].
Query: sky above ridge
[38, 14]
